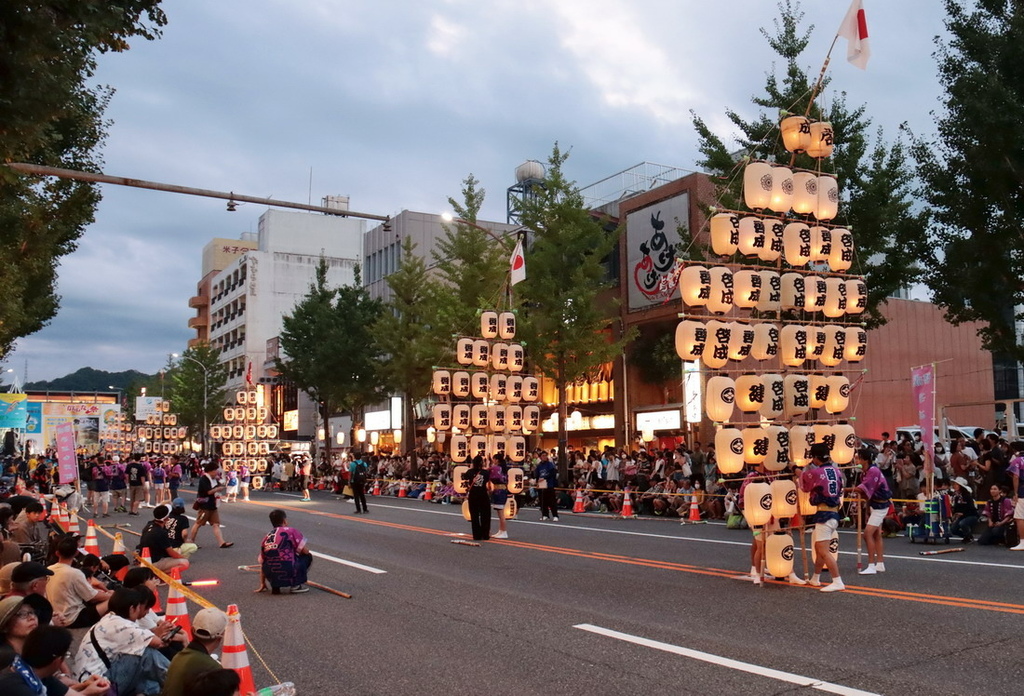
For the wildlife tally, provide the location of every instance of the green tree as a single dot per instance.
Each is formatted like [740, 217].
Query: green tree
[406, 335]
[972, 173]
[199, 396]
[568, 318]
[51, 115]
[329, 347]
[875, 178]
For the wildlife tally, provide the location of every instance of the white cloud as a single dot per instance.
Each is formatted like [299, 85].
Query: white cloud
[445, 36]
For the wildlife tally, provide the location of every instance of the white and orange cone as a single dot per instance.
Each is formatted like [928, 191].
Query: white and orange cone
[627, 505]
[119, 548]
[578, 506]
[235, 655]
[177, 608]
[92, 545]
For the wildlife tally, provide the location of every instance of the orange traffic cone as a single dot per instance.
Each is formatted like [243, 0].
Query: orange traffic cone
[376, 487]
[119, 548]
[428, 493]
[578, 505]
[177, 609]
[627, 505]
[234, 653]
[403, 489]
[91, 544]
[695, 512]
[63, 520]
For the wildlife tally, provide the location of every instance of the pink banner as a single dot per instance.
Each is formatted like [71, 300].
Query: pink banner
[922, 380]
[67, 463]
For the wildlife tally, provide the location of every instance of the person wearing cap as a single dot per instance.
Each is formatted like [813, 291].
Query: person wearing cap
[74, 600]
[964, 510]
[206, 504]
[824, 482]
[208, 627]
[28, 581]
[284, 557]
[161, 548]
[876, 493]
[17, 620]
[40, 668]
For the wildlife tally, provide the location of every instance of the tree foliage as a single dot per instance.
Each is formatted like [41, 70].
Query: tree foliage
[199, 378]
[50, 114]
[972, 173]
[566, 320]
[329, 347]
[875, 177]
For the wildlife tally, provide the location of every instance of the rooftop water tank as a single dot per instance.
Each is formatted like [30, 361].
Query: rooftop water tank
[530, 170]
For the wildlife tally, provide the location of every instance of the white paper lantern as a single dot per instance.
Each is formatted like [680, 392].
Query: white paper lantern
[720, 299]
[716, 351]
[460, 416]
[771, 292]
[818, 391]
[835, 297]
[821, 244]
[478, 417]
[856, 296]
[777, 458]
[514, 389]
[815, 342]
[823, 435]
[691, 337]
[773, 240]
[531, 418]
[846, 443]
[489, 324]
[464, 351]
[442, 416]
[496, 418]
[784, 499]
[794, 291]
[805, 193]
[741, 340]
[516, 448]
[498, 388]
[752, 235]
[782, 190]
[796, 388]
[793, 345]
[838, 394]
[695, 285]
[478, 446]
[719, 398]
[766, 341]
[835, 345]
[749, 392]
[516, 357]
[499, 356]
[755, 445]
[828, 198]
[774, 396]
[507, 326]
[514, 418]
[466, 514]
[511, 508]
[800, 438]
[814, 293]
[480, 384]
[821, 141]
[796, 133]
[746, 289]
[531, 389]
[459, 452]
[481, 353]
[841, 257]
[757, 185]
[779, 553]
[442, 382]
[803, 502]
[461, 384]
[725, 234]
[729, 450]
[757, 504]
[856, 343]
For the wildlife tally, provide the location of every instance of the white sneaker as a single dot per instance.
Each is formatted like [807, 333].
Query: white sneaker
[543, 519]
[870, 570]
[1018, 547]
[834, 586]
[879, 567]
[795, 579]
[756, 578]
[554, 519]
[500, 535]
[814, 583]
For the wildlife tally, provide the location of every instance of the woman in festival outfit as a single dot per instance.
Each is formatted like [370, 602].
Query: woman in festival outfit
[499, 493]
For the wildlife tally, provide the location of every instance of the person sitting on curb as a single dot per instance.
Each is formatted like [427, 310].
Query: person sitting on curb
[161, 548]
[284, 557]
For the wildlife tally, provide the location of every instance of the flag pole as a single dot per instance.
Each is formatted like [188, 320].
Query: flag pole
[821, 76]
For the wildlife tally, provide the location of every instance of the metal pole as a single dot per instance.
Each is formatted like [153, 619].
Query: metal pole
[206, 374]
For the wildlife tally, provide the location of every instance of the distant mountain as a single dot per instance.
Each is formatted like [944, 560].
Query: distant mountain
[87, 379]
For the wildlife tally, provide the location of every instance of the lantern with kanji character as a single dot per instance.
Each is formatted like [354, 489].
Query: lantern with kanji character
[725, 234]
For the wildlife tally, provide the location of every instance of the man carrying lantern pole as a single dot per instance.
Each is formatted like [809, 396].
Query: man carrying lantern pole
[824, 483]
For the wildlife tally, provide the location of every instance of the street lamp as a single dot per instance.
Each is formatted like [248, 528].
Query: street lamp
[206, 390]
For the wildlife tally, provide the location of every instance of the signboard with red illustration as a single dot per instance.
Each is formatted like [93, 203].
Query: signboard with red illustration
[652, 242]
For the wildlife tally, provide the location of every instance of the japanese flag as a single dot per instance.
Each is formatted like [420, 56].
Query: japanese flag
[855, 30]
[517, 265]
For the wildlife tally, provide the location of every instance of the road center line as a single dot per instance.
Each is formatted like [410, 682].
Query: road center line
[747, 667]
[352, 564]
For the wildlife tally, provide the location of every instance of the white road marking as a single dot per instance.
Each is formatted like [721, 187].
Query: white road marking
[747, 667]
[352, 564]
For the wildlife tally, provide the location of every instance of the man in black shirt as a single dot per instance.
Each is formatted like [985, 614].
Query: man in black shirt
[155, 538]
[137, 477]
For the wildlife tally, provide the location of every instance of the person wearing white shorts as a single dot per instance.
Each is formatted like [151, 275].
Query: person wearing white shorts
[824, 482]
[875, 491]
[1015, 470]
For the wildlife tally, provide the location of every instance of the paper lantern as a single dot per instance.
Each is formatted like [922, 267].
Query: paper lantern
[531, 418]
[835, 298]
[516, 479]
[771, 292]
[766, 341]
[777, 458]
[752, 236]
[841, 257]
[835, 345]
[237, 432]
[757, 185]
[695, 285]
[481, 353]
[466, 514]
[772, 249]
[805, 193]
[507, 326]
[531, 389]
[823, 435]
[741, 340]
[779, 553]
[782, 190]
[461, 416]
[755, 445]
[796, 389]
[856, 343]
[460, 384]
[856, 296]
[749, 391]
[774, 402]
[478, 417]
[793, 345]
[250, 433]
[496, 418]
[489, 324]
[480, 383]
[757, 504]
[514, 418]
[796, 134]
[498, 388]
[511, 508]
[846, 443]
[459, 480]
[442, 382]
[464, 352]
[814, 293]
[729, 450]
[496, 444]
[725, 234]
[794, 291]
[828, 198]
[838, 394]
[229, 414]
[720, 299]
[691, 337]
[719, 398]
[784, 499]
[798, 445]
[804, 504]
[374, 438]
[716, 351]
[820, 142]
[818, 391]
[821, 244]
[514, 389]
[516, 357]
[516, 448]
[478, 446]
[499, 356]
[746, 289]
[815, 342]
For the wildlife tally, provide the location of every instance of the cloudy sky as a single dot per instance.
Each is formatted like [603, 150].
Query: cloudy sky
[393, 103]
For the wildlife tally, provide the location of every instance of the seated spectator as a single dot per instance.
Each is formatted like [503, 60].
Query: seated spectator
[998, 516]
[156, 538]
[208, 627]
[30, 532]
[28, 581]
[39, 669]
[74, 600]
[118, 564]
[5, 577]
[17, 620]
[284, 556]
[177, 526]
[9, 549]
[964, 509]
[217, 682]
[120, 650]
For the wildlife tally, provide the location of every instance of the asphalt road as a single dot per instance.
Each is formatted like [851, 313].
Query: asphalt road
[596, 605]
